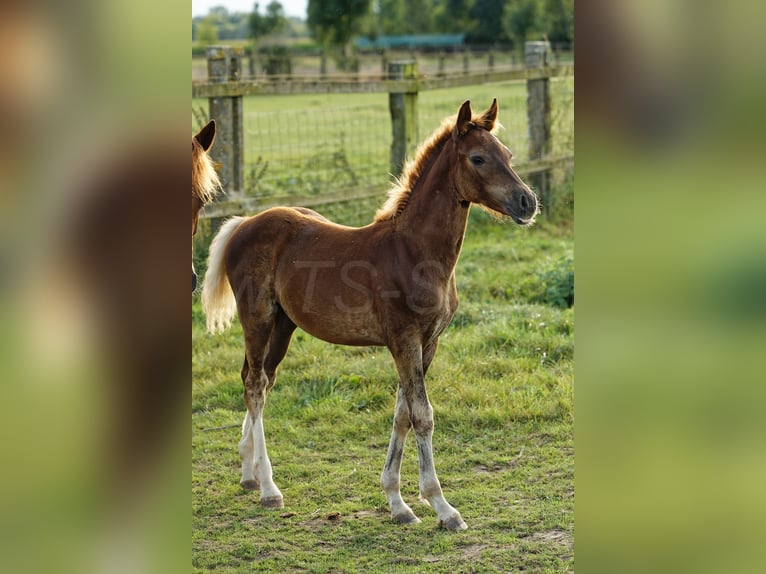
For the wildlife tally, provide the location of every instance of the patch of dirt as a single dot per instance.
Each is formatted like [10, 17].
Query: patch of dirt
[316, 522]
[468, 552]
[473, 550]
[555, 536]
[207, 545]
[368, 514]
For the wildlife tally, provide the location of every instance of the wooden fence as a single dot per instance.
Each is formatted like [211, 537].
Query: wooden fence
[225, 90]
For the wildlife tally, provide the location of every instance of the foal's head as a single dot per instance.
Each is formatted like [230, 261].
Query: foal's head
[483, 171]
[205, 182]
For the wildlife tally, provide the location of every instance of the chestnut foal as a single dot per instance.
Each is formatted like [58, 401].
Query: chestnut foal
[390, 283]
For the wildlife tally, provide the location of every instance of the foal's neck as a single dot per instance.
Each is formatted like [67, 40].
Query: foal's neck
[435, 216]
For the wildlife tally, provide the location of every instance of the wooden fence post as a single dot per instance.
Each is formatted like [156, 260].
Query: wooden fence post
[323, 64]
[536, 56]
[224, 64]
[466, 61]
[404, 114]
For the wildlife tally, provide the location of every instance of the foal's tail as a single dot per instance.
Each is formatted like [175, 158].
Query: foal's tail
[217, 297]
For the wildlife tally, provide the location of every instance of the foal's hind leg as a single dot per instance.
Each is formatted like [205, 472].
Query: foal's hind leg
[256, 467]
[246, 448]
[278, 344]
[258, 324]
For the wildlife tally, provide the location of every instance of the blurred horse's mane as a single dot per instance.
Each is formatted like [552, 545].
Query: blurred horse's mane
[205, 181]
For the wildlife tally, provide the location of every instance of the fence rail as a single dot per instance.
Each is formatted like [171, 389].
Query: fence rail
[290, 85]
[225, 92]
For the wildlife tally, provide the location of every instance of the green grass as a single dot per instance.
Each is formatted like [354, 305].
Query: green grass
[501, 387]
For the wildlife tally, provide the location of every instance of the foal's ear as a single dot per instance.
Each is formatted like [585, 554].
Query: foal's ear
[489, 117]
[463, 119]
[206, 135]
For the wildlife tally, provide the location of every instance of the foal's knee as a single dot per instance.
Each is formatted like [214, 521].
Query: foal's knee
[422, 420]
[402, 422]
[423, 427]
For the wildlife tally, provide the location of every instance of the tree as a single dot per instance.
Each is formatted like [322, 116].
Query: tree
[264, 24]
[521, 20]
[487, 16]
[559, 20]
[207, 31]
[419, 17]
[452, 17]
[391, 16]
[278, 57]
[334, 22]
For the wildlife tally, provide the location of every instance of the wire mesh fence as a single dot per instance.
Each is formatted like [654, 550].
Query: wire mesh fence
[313, 152]
[433, 106]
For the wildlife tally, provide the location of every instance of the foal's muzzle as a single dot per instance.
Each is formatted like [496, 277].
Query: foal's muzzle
[523, 206]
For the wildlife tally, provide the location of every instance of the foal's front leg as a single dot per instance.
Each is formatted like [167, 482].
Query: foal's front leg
[409, 362]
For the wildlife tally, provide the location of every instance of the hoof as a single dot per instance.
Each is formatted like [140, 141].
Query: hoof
[249, 485]
[272, 502]
[406, 518]
[454, 523]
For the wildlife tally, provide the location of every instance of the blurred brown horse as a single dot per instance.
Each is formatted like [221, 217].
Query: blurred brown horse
[205, 182]
[390, 283]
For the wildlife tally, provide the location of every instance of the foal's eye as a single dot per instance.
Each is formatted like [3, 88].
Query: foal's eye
[477, 160]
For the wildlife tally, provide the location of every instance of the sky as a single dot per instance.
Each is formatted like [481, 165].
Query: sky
[292, 7]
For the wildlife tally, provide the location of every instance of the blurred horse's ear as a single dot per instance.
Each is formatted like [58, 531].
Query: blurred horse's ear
[463, 120]
[206, 135]
[489, 117]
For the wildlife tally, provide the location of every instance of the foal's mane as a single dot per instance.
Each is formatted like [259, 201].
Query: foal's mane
[399, 194]
[205, 181]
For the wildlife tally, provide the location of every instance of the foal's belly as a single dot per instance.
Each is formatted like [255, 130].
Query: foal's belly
[322, 304]
[340, 328]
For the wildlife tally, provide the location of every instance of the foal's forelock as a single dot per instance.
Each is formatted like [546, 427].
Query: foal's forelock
[205, 181]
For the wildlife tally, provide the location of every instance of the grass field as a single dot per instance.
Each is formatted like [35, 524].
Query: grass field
[502, 391]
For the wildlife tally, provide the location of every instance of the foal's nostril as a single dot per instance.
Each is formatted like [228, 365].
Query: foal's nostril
[524, 202]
